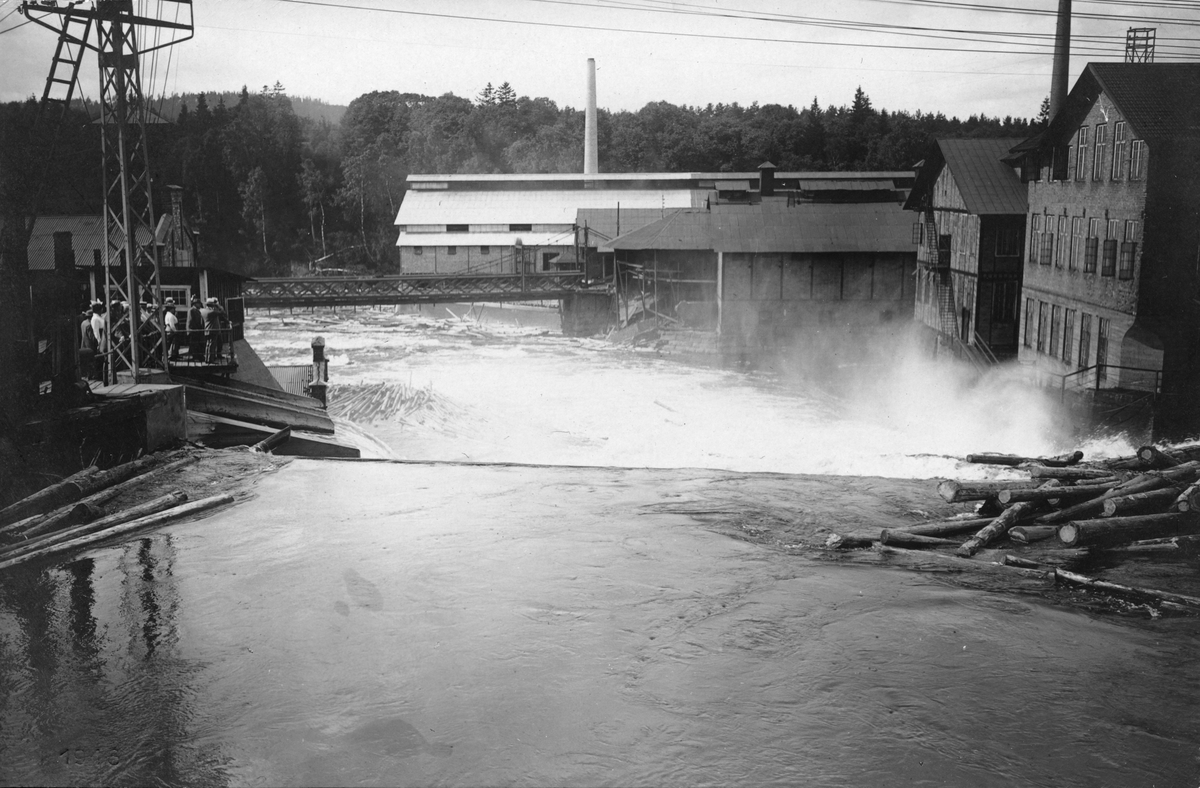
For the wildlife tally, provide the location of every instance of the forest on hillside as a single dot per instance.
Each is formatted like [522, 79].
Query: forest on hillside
[271, 182]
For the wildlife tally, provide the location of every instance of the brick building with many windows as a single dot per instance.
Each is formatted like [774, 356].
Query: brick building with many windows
[1112, 272]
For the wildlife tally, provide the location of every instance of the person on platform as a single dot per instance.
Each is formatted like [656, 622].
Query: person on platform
[215, 322]
[98, 330]
[195, 330]
[171, 326]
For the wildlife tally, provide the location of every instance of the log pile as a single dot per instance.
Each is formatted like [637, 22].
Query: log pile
[78, 512]
[1148, 503]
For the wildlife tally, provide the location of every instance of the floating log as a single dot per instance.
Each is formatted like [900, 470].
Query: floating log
[1156, 458]
[907, 539]
[65, 491]
[148, 521]
[141, 510]
[931, 561]
[1145, 482]
[1014, 460]
[1027, 534]
[1130, 592]
[998, 527]
[1123, 530]
[1012, 560]
[108, 494]
[273, 441]
[946, 527]
[1152, 501]
[1055, 495]
[74, 514]
[852, 540]
[1068, 474]
[1188, 500]
[120, 473]
[958, 492]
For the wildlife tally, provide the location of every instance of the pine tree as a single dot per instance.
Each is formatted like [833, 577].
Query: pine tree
[487, 97]
[505, 94]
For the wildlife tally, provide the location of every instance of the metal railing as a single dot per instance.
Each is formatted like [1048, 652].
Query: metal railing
[1096, 377]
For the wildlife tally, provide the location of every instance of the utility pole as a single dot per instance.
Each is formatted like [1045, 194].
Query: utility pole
[131, 264]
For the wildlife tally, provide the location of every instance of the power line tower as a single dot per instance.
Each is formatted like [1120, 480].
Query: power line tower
[1139, 44]
[136, 338]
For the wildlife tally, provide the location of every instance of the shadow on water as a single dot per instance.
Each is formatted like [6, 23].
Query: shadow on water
[94, 692]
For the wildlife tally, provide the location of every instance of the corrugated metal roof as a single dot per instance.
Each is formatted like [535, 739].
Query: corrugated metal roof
[558, 238]
[529, 207]
[777, 228]
[602, 222]
[986, 183]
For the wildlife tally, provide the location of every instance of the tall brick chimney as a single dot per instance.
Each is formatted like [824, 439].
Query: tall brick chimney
[591, 149]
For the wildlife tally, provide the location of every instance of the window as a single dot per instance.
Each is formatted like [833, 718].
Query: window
[458, 228]
[1109, 265]
[1031, 167]
[1068, 335]
[1092, 250]
[451, 250]
[1076, 243]
[1060, 163]
[1129, 249]
[1101, 147]
[1118, 161]
[1047, 254]
[418, 250]
[520, 228]
[1053, 349]
[1081, 153]
[1043, 325]
[1064, 242]
[1035, 237]
[1085, 338]
[1004, 302]
[1008, 242]
[1028, 322]
[1137, 160]
[485, 250]
[182, 296]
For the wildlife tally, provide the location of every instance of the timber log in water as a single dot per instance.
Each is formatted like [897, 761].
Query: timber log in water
[1145, 505]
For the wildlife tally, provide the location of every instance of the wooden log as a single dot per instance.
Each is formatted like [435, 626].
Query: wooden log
[1145, 482]
[277, 439]
[927, 560]
[119, 473]
[149, 521]
[75, 514]
[946, 527]
[1156, 458]
[1014, 460]
[908, 539]
[1068, 474]
[57, 494]
[953, 491]
[1123, 530]
[1128, 592]
[1188, 500]
[1012, 560]
[852, 540]
[174, 498]
[1149, 502]
[1027, 534]
[1052, 495]
[104, 496]
[997, 528]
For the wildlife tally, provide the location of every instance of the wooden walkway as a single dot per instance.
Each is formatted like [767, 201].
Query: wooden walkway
[415, 289]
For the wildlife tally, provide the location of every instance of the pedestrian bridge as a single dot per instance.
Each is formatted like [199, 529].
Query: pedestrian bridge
[412, 289]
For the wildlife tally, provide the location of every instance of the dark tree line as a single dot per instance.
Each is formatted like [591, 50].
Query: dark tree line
[268, 188]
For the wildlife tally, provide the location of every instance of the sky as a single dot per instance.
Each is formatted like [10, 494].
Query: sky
[692, 52]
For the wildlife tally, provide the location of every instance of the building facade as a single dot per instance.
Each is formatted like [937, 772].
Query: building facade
[970, 234]
[1111, 279]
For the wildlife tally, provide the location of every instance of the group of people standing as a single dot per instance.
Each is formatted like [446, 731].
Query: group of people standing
[202, 333]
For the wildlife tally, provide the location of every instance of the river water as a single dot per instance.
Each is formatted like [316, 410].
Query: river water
[435, 623]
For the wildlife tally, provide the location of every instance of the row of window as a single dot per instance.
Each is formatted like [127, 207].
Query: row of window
[1051, 329]
[466, 228]
[1129, 158]
[452, 250]
[1060, 240]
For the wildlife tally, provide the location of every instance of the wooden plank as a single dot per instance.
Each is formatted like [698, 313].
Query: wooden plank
[254, 410]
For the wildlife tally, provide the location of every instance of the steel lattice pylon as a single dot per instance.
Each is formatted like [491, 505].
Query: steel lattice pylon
[136, 337]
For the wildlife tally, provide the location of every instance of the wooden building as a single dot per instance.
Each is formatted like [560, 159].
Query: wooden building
[770, 271]
[970, 233]
[1112, 275]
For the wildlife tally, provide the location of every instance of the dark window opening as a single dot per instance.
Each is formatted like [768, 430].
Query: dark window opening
[520, 228]
[458, 228]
